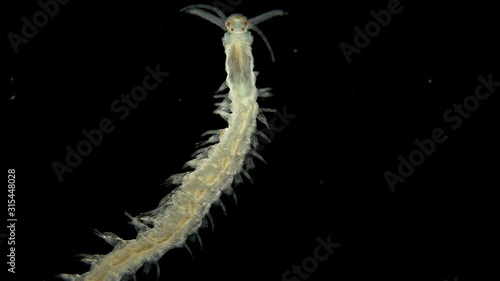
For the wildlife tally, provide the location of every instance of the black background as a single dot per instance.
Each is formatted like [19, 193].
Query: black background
[325, 171]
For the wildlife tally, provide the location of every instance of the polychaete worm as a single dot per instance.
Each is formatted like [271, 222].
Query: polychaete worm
[224, 158]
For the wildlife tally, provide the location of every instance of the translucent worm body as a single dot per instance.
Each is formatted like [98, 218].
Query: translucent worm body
[216, 167]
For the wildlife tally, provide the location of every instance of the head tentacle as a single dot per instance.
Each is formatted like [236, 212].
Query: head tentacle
[219, 19]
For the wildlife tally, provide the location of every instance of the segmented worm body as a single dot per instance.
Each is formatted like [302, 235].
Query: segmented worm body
[227, 156]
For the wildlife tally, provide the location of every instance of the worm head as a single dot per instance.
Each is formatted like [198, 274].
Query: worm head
[237, 23]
